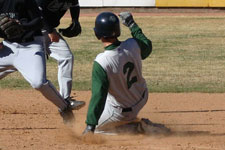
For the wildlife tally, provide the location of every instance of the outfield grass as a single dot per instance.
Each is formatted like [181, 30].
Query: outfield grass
[188, 54]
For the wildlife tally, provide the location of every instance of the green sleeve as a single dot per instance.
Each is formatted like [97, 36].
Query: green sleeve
[100, 86]
[144, 43]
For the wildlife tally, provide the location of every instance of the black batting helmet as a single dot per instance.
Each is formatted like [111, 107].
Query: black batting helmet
[107, 25]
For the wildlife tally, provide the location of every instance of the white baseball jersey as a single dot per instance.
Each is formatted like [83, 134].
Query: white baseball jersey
[119, 90]
[124, 70]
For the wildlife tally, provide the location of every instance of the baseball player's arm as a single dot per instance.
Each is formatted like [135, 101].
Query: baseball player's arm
[34, 13]
[52, 34]
[75, 11]
[100, 86]
[75, 28]
[35, 24]
[144, 43]
[42, 5]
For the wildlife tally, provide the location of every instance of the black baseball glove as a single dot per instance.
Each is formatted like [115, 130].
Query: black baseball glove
[11, 28]
[72, 31]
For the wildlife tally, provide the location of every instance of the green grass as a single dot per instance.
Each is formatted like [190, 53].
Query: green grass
[188, 54]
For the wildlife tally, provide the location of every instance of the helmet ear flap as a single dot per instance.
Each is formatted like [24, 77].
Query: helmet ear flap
[97, 35]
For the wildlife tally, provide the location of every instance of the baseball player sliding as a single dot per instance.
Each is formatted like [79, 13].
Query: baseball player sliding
[56, 46]
[22, 50]
[119, 90]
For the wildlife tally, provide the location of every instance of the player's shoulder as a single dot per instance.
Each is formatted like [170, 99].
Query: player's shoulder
[100, 59]
[101, 56]
[105, 58]
[130, 45]
[129, 40]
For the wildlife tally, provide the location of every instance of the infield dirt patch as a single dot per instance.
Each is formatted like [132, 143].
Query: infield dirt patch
[30, 122]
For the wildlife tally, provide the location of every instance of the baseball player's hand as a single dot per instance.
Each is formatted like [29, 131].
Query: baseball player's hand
[54, 36]
[11, 28]
[72, 31]
[89, 129]
[127, 19]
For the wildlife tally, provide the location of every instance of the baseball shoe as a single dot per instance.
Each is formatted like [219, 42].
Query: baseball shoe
[149, 128]
[75, 104]
[67, 115]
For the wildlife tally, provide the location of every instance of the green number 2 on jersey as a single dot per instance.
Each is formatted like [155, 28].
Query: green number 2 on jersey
[129, 67]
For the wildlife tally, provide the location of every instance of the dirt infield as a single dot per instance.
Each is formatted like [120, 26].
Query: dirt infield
[30, 122]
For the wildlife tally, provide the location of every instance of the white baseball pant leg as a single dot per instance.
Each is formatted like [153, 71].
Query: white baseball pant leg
[61, 52]
[114, 116]
[29, 60]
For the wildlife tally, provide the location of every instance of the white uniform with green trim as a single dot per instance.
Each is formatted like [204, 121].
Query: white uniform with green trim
[123, 67]
[119, 90]
[124, 71]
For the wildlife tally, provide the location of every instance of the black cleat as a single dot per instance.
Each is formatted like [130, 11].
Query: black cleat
[74, 104]
[67, 115]
[149, 128]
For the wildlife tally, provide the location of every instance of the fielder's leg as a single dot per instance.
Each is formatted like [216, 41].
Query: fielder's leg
[49, 91]
[8, 53]
[61, 52]
[30, 62]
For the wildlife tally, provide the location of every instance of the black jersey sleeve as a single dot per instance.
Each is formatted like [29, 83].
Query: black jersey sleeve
[41, 3]
[34, 20]
[75, 11]
[43, 7]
